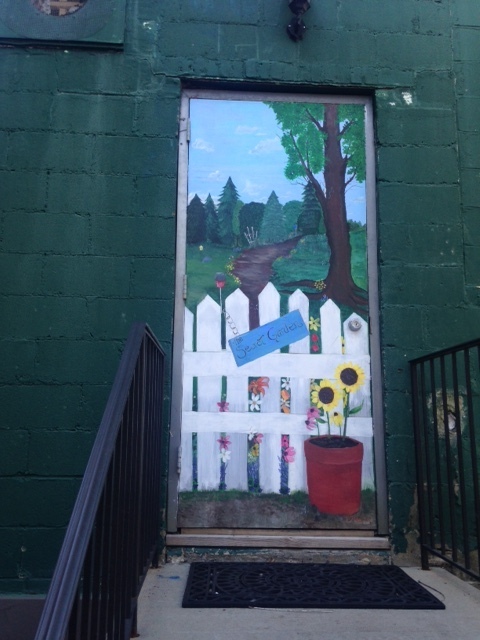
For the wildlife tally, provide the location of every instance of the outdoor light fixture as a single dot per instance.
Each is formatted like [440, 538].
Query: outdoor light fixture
[296, 28]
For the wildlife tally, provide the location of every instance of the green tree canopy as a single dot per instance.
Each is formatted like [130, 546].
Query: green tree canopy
[325, 144]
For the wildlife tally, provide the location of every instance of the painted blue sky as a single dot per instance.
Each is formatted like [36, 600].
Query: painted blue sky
[241, 139]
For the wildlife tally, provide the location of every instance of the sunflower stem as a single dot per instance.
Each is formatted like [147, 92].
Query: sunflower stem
[345, 415]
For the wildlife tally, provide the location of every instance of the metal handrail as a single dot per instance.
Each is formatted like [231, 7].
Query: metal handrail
[446, 415]
[113, 534]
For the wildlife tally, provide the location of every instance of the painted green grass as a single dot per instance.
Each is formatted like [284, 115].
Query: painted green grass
[309, 261]
[202, 265]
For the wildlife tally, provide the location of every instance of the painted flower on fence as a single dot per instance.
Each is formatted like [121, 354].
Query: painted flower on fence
[253, 461]
[256, 389]
[222, 406]
[285, 395]
[331, 400]
[225, 453]
[314, 327]
[257, 386]
[287, 456]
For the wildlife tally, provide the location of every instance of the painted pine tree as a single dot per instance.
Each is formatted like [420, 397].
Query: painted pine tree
[273, 224]
[212, 221]
[226, 208]
[310, 220]
[196, 221]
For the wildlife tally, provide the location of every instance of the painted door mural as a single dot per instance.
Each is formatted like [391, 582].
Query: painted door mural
[276, 420]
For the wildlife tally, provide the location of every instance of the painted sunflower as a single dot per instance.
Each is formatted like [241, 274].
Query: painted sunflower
[350, 376]
[325, 395]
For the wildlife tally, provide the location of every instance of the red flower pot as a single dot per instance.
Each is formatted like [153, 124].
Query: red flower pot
[334, 474]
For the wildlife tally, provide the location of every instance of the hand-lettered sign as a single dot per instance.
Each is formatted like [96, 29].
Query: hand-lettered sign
[267, 338]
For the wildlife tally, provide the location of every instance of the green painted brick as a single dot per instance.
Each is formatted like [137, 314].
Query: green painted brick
[411, 125]
[17, 362]
[374, 16]
[24, 110]
[469, 184]
[88, 72]
[149, 276]
[153, 114]
[239, 42]
[466, 44]
[422, 204]
[472, 265]
[64, 453]
[46, 233]
[457, 325]
[58, 152]
[43, 317]
[396, 365]
[469, 145]
[236, 11]
[3, 149]
[90, 193]
[36, 406]
[425, 285]
[398, 412]
[472, 227]
[13, 451]
[435, 89]
[155, 196]
[466, 14]
[86, 276]
[400, 453]
[185, 41]
[21, 273]
[111, 318]
[93, 113]
[399, 323]
[416, 52]
[78, 361]
[113, 235]
[23, 190]
[417, 165]
[136, 155]
[467, 79]
[468, 112]
[37, 502]
[432, 244]
[37, 551]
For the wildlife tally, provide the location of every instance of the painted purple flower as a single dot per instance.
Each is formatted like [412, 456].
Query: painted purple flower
[222, 406]
[289, 454]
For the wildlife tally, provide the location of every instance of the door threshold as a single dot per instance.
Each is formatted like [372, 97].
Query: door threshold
[321, 540]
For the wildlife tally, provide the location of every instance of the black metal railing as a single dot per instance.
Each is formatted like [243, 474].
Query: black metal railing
[446, 411]
[114, 532]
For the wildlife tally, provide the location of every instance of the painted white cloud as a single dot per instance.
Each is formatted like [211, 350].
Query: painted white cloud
[251, 189]
[202, 145]
[272, 145]
[214, 175]
[246, 130]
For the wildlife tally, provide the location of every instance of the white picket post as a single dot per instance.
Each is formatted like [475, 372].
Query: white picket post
[330, 328]
[186, 456]
[209, 392]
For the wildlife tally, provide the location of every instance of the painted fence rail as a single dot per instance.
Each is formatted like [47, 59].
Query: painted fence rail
[207, 368]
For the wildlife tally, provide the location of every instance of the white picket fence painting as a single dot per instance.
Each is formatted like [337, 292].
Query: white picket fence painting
[209, 363]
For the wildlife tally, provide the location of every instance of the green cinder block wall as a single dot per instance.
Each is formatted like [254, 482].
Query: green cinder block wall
[88, 168]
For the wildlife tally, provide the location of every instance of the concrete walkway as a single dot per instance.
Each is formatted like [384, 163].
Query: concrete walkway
[161, 616]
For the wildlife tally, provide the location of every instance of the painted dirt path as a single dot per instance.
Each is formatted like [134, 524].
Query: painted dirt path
[254, 269]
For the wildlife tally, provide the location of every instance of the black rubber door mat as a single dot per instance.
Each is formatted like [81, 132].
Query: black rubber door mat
[313, 586]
